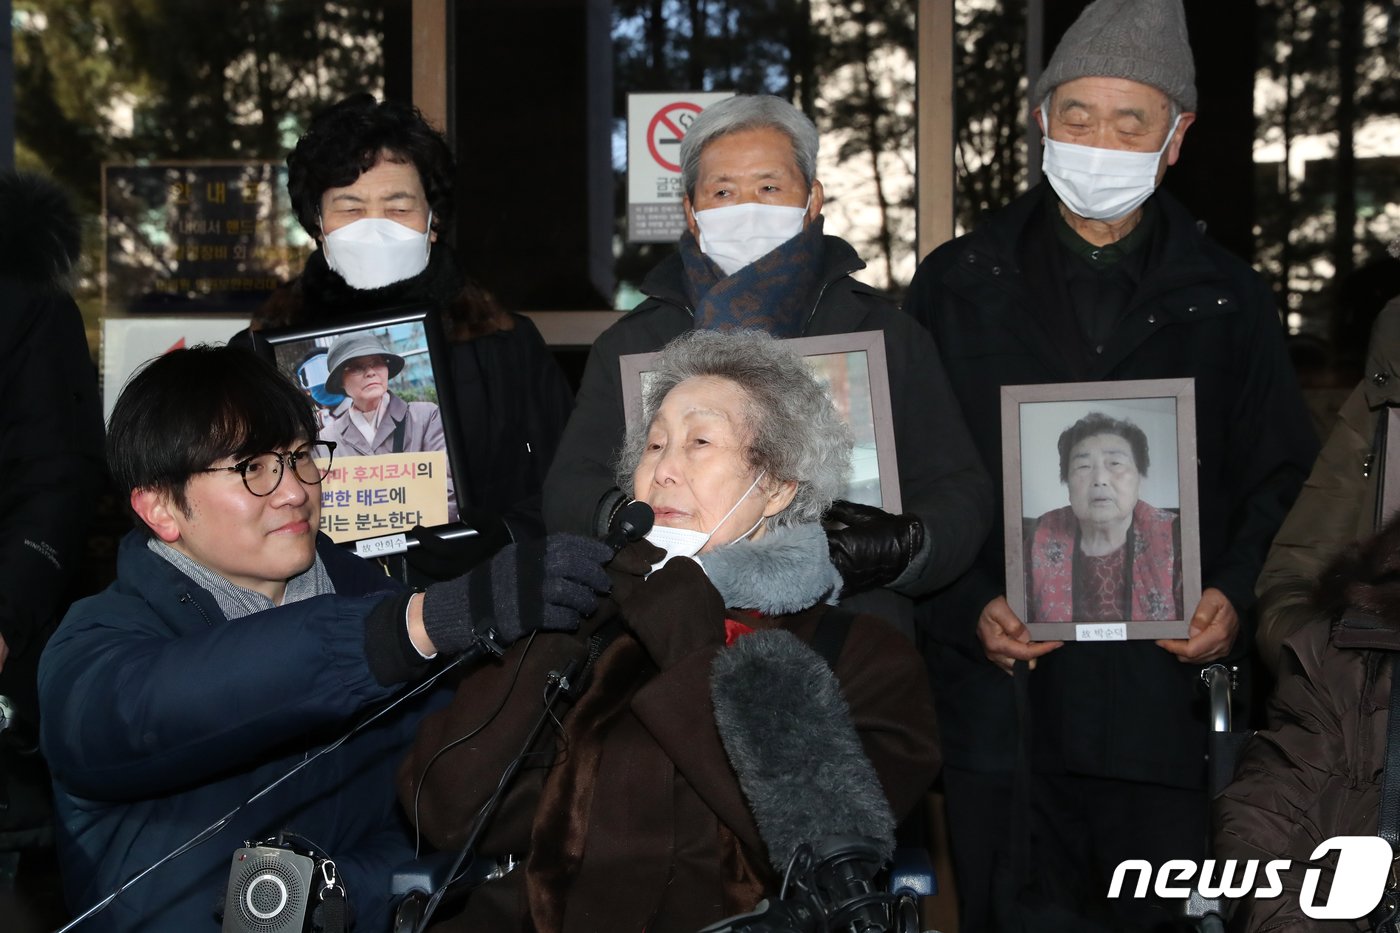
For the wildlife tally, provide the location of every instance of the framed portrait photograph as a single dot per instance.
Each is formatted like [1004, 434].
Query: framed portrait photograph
[853, 369]
[374, 385]
[1100, 492]
[1387, 464]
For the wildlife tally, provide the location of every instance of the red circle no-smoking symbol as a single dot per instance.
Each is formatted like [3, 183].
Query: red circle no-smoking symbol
[666, 130]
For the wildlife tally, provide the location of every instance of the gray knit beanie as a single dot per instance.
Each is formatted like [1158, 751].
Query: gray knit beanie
[1141, 40]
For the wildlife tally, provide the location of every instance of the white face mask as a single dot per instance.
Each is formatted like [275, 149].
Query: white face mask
[1101, 184]
[683, 542]
[737, 234]
[374, 251]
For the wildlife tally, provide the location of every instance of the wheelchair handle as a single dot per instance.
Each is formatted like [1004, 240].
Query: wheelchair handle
[1220, 681]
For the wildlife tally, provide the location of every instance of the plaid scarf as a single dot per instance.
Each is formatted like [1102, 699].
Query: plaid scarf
[774, 293]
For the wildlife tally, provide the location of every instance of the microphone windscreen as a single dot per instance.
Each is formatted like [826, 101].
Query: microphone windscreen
[789, 736]
[632, 523]
[635, 520]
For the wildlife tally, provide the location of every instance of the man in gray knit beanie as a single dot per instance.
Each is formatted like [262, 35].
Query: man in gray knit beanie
[1096, 275]
[1115, 103]
[1140, 40]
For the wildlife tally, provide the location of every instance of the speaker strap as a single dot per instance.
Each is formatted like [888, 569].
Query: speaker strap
[330, 915]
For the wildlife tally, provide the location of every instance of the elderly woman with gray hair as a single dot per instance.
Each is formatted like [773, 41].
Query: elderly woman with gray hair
[1108, 556]
[629, 816]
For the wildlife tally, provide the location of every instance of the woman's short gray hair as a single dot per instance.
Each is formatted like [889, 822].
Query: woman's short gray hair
[794, 432]
[749, 112]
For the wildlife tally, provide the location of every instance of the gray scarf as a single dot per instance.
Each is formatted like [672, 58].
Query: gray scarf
[787, 570]
[234, 601]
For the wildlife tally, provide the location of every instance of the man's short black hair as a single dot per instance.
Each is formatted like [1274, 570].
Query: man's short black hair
[1096, 423]
[349, 138]
[191, 408]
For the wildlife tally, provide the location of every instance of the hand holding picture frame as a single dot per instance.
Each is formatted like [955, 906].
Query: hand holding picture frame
[853, 369]
[1101, 517]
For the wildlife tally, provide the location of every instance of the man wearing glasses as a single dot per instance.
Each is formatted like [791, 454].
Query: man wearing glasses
[236, 641]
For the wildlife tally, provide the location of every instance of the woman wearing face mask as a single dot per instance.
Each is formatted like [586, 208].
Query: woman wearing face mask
[371, 181]
[638, 821]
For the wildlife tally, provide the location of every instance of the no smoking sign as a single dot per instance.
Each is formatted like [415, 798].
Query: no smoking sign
[667, 129]
[656, 124]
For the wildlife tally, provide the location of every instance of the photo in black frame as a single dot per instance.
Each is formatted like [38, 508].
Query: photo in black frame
[380, 392]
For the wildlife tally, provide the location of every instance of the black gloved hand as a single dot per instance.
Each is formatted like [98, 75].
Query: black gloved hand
[547, 584]
[874, 547]
[675, 613]
[438, 558]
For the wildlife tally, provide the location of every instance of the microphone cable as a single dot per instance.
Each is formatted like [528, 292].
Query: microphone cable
[214, 828]
[569, 682]
[559, 683]
[490, 718]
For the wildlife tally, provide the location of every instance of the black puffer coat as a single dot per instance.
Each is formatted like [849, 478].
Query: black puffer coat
[51, 461]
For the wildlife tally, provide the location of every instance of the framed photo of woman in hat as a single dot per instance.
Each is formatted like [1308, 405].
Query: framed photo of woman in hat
[374, 384]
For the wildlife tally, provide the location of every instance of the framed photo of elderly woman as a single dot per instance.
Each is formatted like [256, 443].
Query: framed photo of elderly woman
[374, 385]
[852, 369]
[1100, 490]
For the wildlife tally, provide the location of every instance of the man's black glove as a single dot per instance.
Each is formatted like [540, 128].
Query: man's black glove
[874, 547]
[438, 558]
[545, 584]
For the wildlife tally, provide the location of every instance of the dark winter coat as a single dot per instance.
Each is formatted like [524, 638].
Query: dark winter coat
[51, 461]
[161, 716]
[1118, 710]
[659, 837]
[1338, 503]
[510, 398]
[941, 479]
[1316, 771]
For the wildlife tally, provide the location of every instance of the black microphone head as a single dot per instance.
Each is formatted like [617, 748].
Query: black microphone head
[788, 732]
[635, 520]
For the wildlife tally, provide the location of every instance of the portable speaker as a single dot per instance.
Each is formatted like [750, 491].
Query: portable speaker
[268, 891]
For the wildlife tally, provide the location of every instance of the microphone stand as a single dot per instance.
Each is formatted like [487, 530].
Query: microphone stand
[634, 520]
[560, 683]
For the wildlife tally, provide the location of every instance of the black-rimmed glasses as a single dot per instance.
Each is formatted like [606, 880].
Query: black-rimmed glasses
[262, 473]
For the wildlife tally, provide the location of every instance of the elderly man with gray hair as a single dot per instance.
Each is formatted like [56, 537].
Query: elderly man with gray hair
[1098, 276]
[754, 256]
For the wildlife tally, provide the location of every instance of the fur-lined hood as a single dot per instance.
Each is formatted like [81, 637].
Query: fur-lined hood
[787, 570]
[39, 233]
[1359, 594]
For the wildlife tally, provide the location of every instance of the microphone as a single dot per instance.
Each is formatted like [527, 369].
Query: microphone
[633, 522]
[818, 804]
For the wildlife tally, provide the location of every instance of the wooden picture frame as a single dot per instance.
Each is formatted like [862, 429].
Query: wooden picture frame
[1056, 518]
[854, 370]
